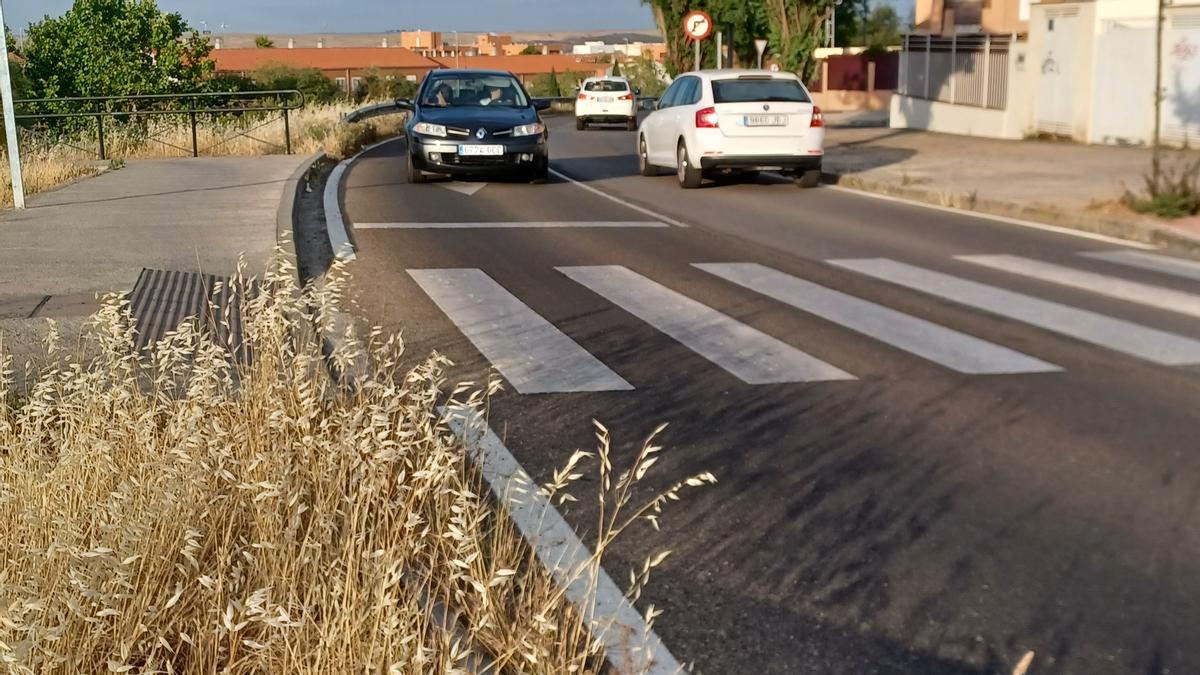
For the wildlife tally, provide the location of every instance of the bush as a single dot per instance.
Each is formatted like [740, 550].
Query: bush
[376, 86]
[1170, 193]
[309, 81]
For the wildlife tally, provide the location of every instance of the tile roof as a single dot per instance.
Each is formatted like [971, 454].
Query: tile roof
[525, 64]
[332, 58]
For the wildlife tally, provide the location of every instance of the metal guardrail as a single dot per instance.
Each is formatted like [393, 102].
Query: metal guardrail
[99, 108]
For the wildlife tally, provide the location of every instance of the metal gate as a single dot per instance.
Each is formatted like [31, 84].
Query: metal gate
[1181, 79]
[1123, 103]
[1056, 104]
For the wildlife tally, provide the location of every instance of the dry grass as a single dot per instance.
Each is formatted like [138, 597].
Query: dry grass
[169, 512]
[315, 128]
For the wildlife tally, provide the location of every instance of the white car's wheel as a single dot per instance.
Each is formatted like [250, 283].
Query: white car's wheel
[809, 179]
[580, 125]
[689, 175]
[645, 168]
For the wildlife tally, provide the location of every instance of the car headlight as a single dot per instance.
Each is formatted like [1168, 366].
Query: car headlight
[427, 129]
[528, 129]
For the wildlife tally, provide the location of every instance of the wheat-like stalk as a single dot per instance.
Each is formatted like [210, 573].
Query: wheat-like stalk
[182, 511]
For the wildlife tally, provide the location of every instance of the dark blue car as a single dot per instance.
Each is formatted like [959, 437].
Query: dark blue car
[471, 122]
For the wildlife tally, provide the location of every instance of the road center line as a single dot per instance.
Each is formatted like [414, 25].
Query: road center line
[750, 355]
[1122, 336]
[618, 200]
[533, 355]
[949, 348]
[1130, 291]
[483, 225]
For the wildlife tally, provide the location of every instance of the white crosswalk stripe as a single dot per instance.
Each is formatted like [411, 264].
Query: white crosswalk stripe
[533, 355]
[1187, 269]
[746, 353]
[949, 348]
[1123, 336]
[1113, 287]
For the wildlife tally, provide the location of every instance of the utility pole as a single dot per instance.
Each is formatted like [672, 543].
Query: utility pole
[10, 124]
[1155, 168]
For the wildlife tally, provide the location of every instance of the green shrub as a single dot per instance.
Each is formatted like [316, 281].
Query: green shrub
[350, 138]
[1170, 192]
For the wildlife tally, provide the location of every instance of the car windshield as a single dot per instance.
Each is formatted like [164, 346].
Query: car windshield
[606, 85]
[758, 90]
[475, 91]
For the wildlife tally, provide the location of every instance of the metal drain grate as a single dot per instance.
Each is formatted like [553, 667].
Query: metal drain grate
[161, 300]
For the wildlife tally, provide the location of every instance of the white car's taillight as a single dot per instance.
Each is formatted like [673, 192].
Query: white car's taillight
[707, 118]
[818, 120]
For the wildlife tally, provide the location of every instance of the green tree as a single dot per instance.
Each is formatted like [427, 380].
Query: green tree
[881, 29]
[616, 69]
[311, 82]
[646, 75]
[263, 42]
[530, 50]
[849, 19]
[377, 86]
[115, 47]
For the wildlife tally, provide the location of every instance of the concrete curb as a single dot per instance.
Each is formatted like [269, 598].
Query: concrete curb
[285, 216]
[341, 238]
[1145, 231]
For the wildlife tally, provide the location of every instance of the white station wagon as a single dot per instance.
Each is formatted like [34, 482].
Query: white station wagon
[734, 122]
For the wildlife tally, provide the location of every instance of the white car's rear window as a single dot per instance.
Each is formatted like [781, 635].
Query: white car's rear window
[758, 90]
[606, 85]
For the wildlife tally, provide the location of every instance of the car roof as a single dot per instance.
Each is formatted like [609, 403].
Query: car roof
[440, 72]
[733, 73]
[598, 78]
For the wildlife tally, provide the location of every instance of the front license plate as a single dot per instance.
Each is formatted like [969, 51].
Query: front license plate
[766, 120]
[481, 150]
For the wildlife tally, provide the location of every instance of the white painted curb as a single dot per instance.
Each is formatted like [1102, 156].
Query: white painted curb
[335, 220]
[630, 645]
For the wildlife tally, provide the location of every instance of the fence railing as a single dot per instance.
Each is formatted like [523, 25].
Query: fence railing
[258, 108]
[961, 69]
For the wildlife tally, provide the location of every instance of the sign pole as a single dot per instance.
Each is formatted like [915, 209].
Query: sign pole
[697, 44]
[10, 123]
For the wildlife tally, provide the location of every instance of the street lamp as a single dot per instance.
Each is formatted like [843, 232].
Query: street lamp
[10, 124]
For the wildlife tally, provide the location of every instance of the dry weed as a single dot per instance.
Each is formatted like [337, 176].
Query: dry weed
[174, 511]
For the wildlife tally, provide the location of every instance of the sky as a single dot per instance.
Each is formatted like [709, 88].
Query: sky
[354, 16]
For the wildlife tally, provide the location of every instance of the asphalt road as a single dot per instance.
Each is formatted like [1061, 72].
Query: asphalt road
[936, 480]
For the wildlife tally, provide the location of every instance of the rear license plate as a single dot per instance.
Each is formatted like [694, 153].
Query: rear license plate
[605, 99]
[481, 150]
[766, 120]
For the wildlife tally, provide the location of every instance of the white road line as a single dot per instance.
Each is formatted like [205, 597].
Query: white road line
[949, 348]
[630, 645]
[507, 225]
[533, 355]
[618, 200]
[1102, 284]
[1146, 343]
[750, 355]
[1188, 269]
[999, 219]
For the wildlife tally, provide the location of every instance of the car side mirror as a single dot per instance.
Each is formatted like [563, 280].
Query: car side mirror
[540, 104]
[405, 104]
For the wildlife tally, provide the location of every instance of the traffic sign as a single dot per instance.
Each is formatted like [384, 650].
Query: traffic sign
[760, 46]
[697, 25]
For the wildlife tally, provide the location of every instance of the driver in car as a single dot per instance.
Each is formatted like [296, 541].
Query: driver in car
[499, 94]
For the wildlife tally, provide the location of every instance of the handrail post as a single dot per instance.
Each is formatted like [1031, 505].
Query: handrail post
[287, 131]
[100, 130]
[192, 117]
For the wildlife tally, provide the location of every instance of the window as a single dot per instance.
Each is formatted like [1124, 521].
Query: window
[746, 90]
[356, 82]
[473, 90]
[689, 91]
[668, 97]
[606, 85]
[340, 82]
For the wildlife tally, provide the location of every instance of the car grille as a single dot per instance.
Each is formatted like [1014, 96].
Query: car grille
[470, 160]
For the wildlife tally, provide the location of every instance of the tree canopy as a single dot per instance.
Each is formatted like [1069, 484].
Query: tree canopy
[882, 28]
[115, 47]
[263, 42]
[794, 29]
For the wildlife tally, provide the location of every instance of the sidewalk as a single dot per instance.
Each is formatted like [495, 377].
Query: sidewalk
[96, 236]
[1056, 182]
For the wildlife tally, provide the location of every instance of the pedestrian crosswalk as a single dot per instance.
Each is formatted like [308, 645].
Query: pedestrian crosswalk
[535, 356]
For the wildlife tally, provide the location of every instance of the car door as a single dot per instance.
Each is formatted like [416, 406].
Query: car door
[660, 150]
[683, 113]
